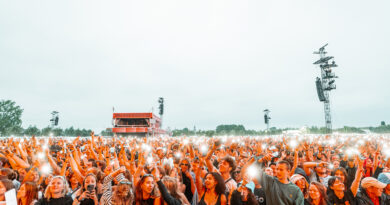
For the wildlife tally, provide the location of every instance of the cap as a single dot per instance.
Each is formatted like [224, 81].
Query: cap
[371, 181]
[384, 178]
[294, 178]
[250, 186]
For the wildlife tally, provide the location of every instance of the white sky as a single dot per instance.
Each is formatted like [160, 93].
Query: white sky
[214, 61]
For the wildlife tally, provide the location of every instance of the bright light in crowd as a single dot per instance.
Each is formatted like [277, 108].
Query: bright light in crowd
[331, 166]
[178, 155]
[46, 169]
[41, 155]
[185, 141]
[387, 153]
[44, 147]
[203, 149]
[293, 144]
[252, 171]
[263, 146]
[164, 150]
[149, 160]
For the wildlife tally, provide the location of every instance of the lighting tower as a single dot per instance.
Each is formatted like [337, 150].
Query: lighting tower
[161, 108]
[54, 118]
[325, 84]
[267, 118]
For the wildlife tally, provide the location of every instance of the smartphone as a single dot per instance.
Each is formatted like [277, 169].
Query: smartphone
[112, 149]
[90, 187]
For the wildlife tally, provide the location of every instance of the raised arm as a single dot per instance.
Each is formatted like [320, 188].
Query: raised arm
[358, 176]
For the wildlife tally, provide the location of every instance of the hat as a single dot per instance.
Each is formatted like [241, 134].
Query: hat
[294, 178]
[371, 181]
[250, 185]
[384, 178]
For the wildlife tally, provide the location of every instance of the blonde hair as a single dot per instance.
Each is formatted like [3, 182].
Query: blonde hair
[65, 188]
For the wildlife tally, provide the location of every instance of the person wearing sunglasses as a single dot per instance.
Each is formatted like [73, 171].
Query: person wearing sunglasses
[187, 178]
[317, 172]
[123, 193]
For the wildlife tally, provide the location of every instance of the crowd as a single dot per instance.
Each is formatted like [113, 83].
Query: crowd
[274, 170]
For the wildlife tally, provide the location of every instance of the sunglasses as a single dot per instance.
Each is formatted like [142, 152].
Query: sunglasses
[185, 164]
[147, 175]
[125, 182]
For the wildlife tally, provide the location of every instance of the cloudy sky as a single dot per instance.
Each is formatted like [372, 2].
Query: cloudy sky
[214, 61]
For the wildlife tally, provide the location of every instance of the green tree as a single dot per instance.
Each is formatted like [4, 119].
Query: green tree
[69, 131]
[32, 130]
[106, 133]
[57, 132]
[10, 118]
[46, 131]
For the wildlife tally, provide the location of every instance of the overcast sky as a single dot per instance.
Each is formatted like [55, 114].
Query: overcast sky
[214, 61]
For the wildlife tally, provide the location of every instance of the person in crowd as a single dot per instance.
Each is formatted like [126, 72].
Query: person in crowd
[385, 179]
[27, 194]
[244, 194]
[339, 193]
[278, 189]
[87, 194]
[213, 190]
[188, 178]
[74, 184]
[342, 174]
[317, 172]
[146, 191]
[56, 193]
[301, 182]
[123, 193]
[5, 185]
[226, 167]
[371, 192]
[317, 194]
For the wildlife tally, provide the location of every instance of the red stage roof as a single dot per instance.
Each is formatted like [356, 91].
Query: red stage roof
[135, 115]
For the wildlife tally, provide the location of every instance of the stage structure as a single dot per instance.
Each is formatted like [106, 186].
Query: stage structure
[136, 124]
[325, 84]
[267, 118]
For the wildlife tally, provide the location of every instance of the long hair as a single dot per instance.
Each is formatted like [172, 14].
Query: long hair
[65, 188]
[117, 195]
[85, 178]
[7, 184]
[171, 184]
[344, 173]
[323, 197]
[331, 181]
[138, 190]
[220, 188]
[31, 190]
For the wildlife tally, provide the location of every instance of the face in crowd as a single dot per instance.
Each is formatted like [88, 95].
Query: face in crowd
[57, 185]
[147, 185]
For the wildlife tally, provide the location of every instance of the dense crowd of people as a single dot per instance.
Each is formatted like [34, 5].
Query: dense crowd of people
[272, 170]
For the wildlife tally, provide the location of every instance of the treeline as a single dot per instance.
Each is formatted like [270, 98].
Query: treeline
[47, 131]
[222, 130]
